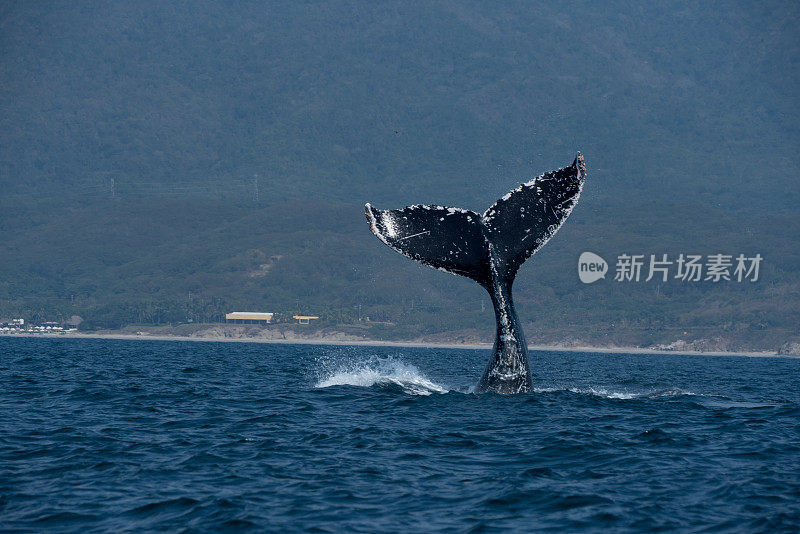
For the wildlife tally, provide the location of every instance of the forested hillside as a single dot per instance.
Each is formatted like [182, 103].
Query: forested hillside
[156, 261]
[161, 162]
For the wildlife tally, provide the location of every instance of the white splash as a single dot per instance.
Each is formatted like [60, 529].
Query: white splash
[382, 372]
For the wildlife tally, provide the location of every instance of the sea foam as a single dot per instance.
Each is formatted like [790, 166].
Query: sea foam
[381, 372]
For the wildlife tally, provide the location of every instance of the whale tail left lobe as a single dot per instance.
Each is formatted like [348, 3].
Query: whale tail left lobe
[449, 239]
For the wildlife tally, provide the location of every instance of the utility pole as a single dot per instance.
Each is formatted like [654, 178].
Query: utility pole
[113, 188]
[255, 188]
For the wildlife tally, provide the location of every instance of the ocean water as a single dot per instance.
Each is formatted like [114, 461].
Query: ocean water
[108, 435]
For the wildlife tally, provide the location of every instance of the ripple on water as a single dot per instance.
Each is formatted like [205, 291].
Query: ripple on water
[120, 435]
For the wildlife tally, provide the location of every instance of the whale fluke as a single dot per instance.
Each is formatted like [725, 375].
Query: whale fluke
[489, 249]
[527, 217]
[448, 239]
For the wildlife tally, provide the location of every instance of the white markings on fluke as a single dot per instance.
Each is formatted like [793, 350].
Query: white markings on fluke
[415, 235]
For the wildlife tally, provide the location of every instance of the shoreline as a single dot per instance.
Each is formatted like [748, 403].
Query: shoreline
[409, 344]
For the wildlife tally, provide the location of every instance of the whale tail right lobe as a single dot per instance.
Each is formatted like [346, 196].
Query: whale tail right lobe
[487, 248]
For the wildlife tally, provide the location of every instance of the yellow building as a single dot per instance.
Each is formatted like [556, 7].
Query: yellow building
[305, 319]
[249, 317]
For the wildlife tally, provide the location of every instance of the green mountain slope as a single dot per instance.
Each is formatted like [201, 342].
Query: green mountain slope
[402, 102]
[161, 162]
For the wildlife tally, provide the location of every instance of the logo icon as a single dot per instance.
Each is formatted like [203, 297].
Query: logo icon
[591, 267]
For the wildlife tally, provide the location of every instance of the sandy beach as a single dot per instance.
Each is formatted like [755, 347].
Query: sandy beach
[417, 344]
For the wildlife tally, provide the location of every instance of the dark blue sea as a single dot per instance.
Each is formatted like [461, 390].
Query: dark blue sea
[109, 435]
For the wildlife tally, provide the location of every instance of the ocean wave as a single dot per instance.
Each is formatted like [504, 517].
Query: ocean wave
[621, 395]
[382, 372]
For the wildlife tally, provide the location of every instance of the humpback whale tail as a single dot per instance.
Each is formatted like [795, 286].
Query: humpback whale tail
[489, 249]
